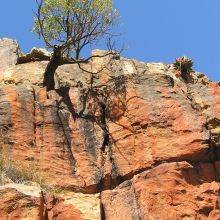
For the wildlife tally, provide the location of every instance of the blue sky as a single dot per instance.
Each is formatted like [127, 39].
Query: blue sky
[154, 30]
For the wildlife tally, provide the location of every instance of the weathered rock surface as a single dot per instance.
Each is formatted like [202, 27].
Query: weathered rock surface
[9, 52]
[19, 201]
[26, 202]
[36, 54]
[169, 191]
[141, 137]
[15, 205]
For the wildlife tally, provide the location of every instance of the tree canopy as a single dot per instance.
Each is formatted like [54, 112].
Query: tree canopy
[74, 24]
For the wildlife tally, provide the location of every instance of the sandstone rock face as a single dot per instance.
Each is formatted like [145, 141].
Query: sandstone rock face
[169, 191]
[15, 205]
[136, 134]
[9, 51]
[26, 202]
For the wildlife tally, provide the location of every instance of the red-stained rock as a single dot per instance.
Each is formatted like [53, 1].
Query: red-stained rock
[15, 205]
[137, 130]
[23, 203]
[66, 212]
[149, 122]
[54, 208]
[169, 191]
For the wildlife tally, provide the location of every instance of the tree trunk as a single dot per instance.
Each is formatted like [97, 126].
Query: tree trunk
[51, 68]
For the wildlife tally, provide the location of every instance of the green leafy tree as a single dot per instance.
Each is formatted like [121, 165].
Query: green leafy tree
[74, 24]
[68, 26]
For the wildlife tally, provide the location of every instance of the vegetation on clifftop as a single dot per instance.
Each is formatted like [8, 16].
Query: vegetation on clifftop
[69, 26]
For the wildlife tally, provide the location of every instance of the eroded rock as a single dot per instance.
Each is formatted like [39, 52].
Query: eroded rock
[36, 54]
[27, 202]
[138, 134]
[9, 52]
[169, 191]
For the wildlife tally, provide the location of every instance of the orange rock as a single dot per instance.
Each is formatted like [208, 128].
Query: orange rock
[17, 205]
[137, 117]
[169, 191]
[150, 120]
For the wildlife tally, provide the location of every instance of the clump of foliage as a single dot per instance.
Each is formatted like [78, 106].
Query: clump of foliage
[69, 26]
[74, 24]
[184, 66]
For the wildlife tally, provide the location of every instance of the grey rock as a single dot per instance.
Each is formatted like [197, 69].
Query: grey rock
[9, 52]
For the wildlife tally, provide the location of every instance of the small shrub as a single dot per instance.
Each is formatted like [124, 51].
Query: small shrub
[184, 66]
[19, 173]
[22, 173]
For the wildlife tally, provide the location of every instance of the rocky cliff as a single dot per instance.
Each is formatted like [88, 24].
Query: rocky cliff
[132, 141]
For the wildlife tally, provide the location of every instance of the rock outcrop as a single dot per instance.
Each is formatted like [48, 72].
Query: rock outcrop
[36, 54]
[27, 202]
[9, 53]
[136, 134]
